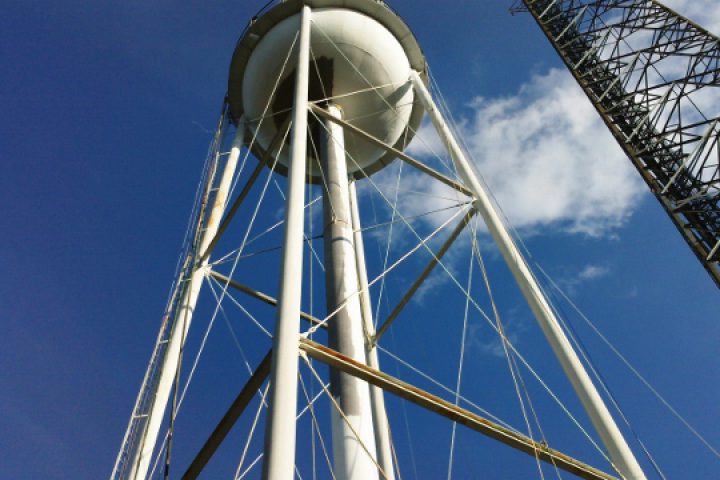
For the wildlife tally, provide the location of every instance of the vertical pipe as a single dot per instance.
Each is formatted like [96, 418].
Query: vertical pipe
[279, 461]
[620, 453]
[353, 433]
[377, 398]
[183, 317]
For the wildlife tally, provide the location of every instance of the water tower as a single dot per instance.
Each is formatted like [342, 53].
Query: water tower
[340, 49]
[328, 93]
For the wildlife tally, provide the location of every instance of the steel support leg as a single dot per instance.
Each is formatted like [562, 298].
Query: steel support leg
[183, 318]
[279, 461]
[620, 453]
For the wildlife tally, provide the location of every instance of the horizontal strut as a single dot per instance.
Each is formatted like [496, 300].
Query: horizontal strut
[453, 412]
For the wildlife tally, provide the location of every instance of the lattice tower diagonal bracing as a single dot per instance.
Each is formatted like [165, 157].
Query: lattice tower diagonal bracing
[653, 76]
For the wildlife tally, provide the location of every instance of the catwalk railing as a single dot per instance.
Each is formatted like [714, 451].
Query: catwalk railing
[653, 76]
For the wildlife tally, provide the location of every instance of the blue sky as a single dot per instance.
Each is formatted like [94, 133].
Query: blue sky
[108, 109]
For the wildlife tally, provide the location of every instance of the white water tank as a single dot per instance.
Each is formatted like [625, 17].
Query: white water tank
[361, 56]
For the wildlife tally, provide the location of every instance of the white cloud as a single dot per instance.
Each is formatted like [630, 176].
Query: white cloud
[591, 272]
[548, 158]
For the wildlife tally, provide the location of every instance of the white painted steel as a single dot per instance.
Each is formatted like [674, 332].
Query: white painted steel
[620, 454]
[183, 318]
[377, 396]
[279, 460]
[354, 53]
[353, 436]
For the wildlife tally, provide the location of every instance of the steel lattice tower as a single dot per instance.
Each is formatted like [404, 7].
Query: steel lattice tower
[652, 75]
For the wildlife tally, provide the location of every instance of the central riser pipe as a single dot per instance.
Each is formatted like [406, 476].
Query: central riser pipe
[353, 434]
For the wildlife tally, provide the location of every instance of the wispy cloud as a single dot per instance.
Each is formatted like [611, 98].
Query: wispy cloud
[570, 282]
[495, 346]
[483, 339]
[591, 272]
